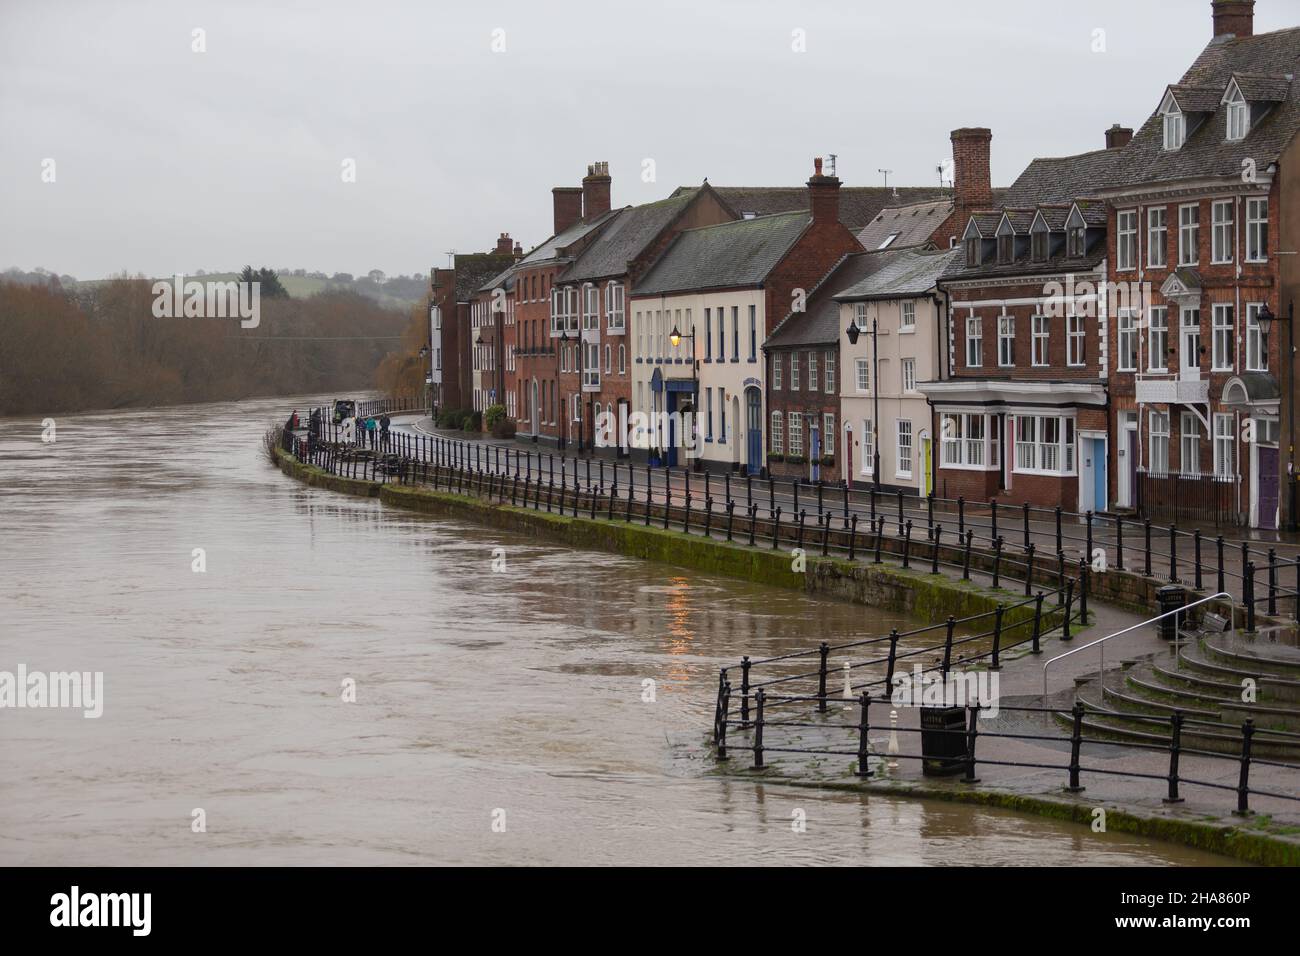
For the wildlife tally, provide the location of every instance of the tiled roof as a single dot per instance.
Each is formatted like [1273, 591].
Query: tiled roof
[910, 225]
[1055, 214]
[858, 204]
[819, 323]
[550, 250]
[1063, 179]
[634, 228]
[1259, 88]
[911, 273]
[1197, 99]
[731, 255]
[1206, 152]
[1024, 265]
[1020, 219]
[476, 268]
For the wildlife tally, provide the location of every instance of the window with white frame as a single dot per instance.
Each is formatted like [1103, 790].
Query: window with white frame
[1045, 444]
[708, 414]
[708, 335]
[1257, 230]
[1222, 338]
[1225, 465]
[812, 371]
[796, 433]
[1126, 360]
[1076, 340]
[622, 359]
[590, 307]
[1041, 340]
[1256, 357]
[908, 366]
[794, 371]
[868, 447]
[1006, 340]
[1126, 240]
[974, 341]
[753, 333]
[640, 342]
[1221, 235]
[860, 314]
[907, 323]
[778, 360]
[1189, 234]
[609, 360]
[1189, 444]
[863, 369]
[1158, 339]
[904, 460]
[1158, 456]
[965, 440]
[1157, 237]
[830, 373]
[615, 303]
[828, 434]
[1175, 129]
[778, 434]
[1238, 115]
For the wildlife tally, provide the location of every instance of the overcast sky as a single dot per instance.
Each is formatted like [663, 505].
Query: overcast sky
[171, 160]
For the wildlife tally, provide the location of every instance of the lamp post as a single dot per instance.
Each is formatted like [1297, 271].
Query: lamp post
[853, 332]
[564, 341]
[675, 337]
[424, 353]
[1265, 320]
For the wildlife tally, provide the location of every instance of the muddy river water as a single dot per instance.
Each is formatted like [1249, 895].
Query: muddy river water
[512, 697]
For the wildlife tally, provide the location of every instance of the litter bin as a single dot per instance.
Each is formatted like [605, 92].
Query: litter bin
[943, 740]
[1171, 597]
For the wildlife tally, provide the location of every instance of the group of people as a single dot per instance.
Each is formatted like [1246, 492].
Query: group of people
[364, 432]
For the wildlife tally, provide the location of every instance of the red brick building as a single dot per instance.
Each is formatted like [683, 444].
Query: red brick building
[1202, 218]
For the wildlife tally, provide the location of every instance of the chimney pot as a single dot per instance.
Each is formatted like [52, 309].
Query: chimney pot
[596, 190]
[1234, 18]
[817, 166]
[823, 195]
[1118, 136]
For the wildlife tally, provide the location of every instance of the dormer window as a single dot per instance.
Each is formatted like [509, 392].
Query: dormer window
[1039, 239]
[1238, 114]
[1175, 123]
[1076, 240]
[972, 252]
[1006, 244]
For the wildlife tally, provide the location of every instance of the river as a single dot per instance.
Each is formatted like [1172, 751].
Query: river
[511, 697]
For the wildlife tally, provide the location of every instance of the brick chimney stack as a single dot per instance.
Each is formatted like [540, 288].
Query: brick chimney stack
[824, 195]
[1234, 18]
[519, 250]
[568, 206]
[972, 182]
[1118, 136]
[595, 191]
[503, 244]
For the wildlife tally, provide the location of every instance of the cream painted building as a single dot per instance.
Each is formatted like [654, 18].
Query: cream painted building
[881, 408]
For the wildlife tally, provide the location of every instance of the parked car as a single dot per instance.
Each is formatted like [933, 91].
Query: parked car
[344, 408]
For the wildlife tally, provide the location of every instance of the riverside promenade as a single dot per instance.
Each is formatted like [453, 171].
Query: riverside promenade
[1022, 757]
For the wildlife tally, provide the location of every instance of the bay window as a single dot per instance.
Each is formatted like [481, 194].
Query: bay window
[1045, 444]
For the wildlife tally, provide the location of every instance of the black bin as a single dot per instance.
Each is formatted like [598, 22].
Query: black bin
[1171, 597]
[943, 740]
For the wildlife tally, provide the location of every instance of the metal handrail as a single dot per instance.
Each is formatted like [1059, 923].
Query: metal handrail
[1132, 627]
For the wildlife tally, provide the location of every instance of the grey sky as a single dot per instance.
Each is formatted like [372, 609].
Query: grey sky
[171, 160]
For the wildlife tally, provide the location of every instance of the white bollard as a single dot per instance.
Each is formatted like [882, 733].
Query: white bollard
[848, 688]
[892, 749]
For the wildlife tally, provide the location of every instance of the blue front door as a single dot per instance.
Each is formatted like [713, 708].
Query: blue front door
[1099, 474]
[754, 429]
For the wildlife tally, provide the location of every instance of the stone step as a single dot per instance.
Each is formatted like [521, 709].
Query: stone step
[1144, 681]
[1253, 657]
[1193, 661]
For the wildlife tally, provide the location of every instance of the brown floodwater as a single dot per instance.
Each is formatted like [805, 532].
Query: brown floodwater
[482, 695]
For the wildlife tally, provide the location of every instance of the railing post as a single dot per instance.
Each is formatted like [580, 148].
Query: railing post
[1175, 746]
[1272, 582]
[1076, 741]
[972, 718]
[1038, 624]
[686, 523]
[1084, 575]
[1029, 570]
[997, 636]
[880, 533]
[1069, 601]
[1248, 595]
[1196, 556]
[997, 561]
[823, 652]
[1088, 548]
[758, 730]
[1026, 511]
[826, 533]
[1243, 779]
[753, 515]
[1058, 528]
[907, 542]
[1146, 530]
[993, 515]
[934, 561]
[889, 667]
[1173, 554]
[776, 528]
[965, 558]
[744, 691]
[853, 541]
[900, 510]
[1218, 542]
[864, 727]
[961, 514]
[1119, 543]
[802, 515]
[947, 646]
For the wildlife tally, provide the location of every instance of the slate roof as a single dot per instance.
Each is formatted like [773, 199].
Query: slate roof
[911, 273]
[736, 254]
[626, 237]
[1023, 265]
[476, 268]
[1063, 179]
[1196, 99]
[1264, 61]
[552, 249]
[912, 225]
[858, 204]
[819, 323]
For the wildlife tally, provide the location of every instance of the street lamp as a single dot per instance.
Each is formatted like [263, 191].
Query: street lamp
[424, 353]
[564, 341]
[675, 337]
[853, 332]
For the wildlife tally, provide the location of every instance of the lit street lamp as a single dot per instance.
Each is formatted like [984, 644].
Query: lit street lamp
[675, 337]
